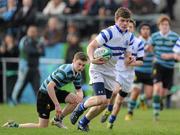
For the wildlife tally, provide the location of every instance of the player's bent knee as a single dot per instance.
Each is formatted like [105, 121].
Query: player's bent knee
[102, 100]
[77, 101]
[123, 94]
[42, 125]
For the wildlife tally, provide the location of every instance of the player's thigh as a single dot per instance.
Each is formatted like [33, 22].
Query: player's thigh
[125, 80]
[44, 105]
[168, 78]
[138, 81]
[111, 84]
[95, 76]
[97, 82]
[157, 73]
[148, 90]
[61, 95]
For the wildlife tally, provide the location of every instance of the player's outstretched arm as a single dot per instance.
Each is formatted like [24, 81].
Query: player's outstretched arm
[53, 97]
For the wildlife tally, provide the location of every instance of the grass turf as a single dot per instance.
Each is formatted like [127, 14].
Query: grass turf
[142, 123]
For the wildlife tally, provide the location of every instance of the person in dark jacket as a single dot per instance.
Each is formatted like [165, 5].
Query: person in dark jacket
[30, 51]
[9, 49]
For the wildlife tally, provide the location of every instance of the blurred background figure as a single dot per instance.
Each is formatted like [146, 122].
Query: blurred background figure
[53, 32]
[169, 8]
[72, 7]
[163, 42]
[90, 7]
[3, 4]
[24, 17]
[142, 6]
[73, 43]
[7, 12]
[30, 51]
[108, 6]
[54, 7]
[9, 49]
[72, 28]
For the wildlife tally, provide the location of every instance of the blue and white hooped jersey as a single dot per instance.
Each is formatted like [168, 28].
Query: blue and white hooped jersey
[118, 41]
[62, 76]
[147, 66]
[137, 52]
[164, 44]
[176, 48]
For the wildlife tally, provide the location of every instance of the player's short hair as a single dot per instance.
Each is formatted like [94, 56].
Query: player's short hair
[122, 12]
[133, 22]
[163, 18]
[81, 56]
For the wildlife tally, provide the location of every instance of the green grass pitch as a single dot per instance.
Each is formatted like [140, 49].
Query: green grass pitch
[142, 124]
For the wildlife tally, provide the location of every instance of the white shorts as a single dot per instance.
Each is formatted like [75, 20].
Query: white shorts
[125, 79]
[108, 79]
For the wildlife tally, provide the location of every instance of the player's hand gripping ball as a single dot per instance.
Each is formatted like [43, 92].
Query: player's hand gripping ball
[103, 52]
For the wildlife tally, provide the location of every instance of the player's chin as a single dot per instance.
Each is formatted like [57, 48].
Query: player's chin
[79, 71]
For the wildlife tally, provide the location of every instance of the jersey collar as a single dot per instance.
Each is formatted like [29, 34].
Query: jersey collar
[165, 34]
[74, 72]
[120, 31]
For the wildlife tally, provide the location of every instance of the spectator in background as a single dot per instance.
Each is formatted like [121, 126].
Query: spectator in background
[72, 28]
[7, 15]
[169, 8]
[125, 3]
[73, 42]
[72, 7]
[142, 6]
[3, 4]
[24, 17]
[52, 34]
[30, 51]
[54, 7]
[109, 6]
[40, 4]
[10, 49]
[90, 7]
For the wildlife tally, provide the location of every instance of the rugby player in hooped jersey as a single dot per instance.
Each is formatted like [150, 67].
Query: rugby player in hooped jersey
[164, 43]
[50, 94]
[143, 74]
[125, 74]
[102, 73]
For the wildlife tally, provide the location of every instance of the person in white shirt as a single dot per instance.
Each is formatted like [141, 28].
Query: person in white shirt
[54, 7]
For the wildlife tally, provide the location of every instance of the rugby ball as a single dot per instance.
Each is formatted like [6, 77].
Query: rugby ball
[103, 52]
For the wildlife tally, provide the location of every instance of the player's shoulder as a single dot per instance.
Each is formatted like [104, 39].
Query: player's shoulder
[174, 34]
[65, 67]
[155, 35]
[109, 30]
[138, 41]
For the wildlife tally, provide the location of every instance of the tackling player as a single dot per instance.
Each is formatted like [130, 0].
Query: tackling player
[50, 94]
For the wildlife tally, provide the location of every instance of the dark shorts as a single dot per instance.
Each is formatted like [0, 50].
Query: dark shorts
[45, 104]
[100, 90]
[144, 78]
[164, 75]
